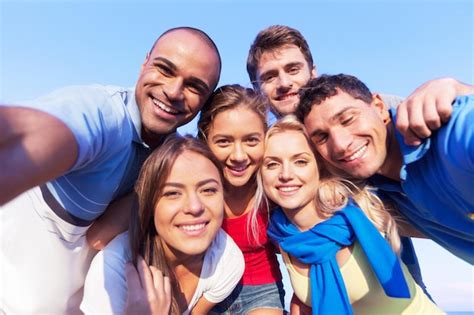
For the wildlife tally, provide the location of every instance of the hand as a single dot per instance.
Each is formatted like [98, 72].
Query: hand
[428, 108]
[149, 292]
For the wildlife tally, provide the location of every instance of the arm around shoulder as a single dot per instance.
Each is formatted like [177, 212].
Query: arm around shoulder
[35, 147]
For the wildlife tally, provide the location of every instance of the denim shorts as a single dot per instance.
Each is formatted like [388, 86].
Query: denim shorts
[246, 298]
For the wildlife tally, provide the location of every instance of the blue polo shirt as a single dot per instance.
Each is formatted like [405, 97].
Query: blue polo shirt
[436, 192]
[106, 123]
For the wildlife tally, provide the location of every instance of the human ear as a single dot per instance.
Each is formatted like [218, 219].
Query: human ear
[381, 108]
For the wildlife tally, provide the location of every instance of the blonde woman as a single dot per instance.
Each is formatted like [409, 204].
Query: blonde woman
[338, 242]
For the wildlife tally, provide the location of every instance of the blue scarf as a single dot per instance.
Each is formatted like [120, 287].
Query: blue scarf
[318, 246]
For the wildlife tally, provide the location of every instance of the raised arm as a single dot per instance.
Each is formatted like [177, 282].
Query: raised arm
[34, 147]
[428, 108]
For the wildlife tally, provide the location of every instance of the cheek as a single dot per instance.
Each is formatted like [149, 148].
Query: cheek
[256, 153]
[267, 179]
[216, 206]
[220, 153]
[267, 89]
[194, 101]
[163, 214]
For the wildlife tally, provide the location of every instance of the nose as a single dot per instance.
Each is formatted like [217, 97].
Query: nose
[340, 141]
[284, 80]
[286, 172]
[173, 89]
[194, 205]
[238, 153]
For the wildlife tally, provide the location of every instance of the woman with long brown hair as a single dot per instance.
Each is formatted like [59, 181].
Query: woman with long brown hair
[177, 232]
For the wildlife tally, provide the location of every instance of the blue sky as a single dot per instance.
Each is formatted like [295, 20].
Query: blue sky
[393, 46]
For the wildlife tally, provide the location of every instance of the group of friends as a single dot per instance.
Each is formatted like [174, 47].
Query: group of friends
[106, 209]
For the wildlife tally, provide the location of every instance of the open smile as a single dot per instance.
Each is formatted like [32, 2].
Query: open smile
[165, 108]
[238, 170]
[194, 229]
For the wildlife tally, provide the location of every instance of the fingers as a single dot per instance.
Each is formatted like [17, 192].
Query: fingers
[162, 287]
[146, 278]
[426, 110]
[404, 123]
[149, 291]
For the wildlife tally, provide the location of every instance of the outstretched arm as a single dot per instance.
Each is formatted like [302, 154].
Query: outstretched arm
[34, 147]
[428, 108]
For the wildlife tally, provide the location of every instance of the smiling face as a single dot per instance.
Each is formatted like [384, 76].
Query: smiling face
[190, 208]
[350, 134]
[289, 172]
[236, 139]
[175, 81]
[280, 75]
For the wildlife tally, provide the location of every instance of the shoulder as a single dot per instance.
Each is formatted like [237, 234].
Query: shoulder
[105, 287]
[222, 269]
[223, 248]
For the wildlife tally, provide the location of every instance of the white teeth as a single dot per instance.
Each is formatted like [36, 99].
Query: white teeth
[239, 169]
[288, 188]
[164, 107]
[192, 227]
[288, 96]
[357, 154]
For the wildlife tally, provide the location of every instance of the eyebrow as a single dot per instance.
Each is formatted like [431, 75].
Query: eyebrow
[295, 156]
[195, 80]
[199, 184]
[333, 119]
[223, 135]
[288, 65]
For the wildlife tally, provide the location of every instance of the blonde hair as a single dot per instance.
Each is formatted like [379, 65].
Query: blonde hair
[334, 193]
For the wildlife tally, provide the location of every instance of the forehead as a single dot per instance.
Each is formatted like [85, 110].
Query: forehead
[190, 53]
[191, 167]
[280, 57]
[232, 120]
[331, 109]
[286, 143]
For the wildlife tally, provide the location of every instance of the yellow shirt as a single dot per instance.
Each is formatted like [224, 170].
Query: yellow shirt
[365, 293]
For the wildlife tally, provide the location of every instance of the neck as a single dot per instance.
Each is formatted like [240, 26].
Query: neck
[394, 159]
[239, 200]
[153, 140]
[305, 217]
[184, 262]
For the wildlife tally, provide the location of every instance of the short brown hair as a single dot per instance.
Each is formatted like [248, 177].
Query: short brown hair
[326, 86]
[271, 38]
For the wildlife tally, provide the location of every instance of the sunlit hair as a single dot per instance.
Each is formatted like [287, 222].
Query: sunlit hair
[229, 97]
[334, 193]
[271, 39]
[145, 240]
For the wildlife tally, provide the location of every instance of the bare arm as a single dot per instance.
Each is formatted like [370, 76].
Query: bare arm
[428, 108]
[299, 308]
[34, 147]
[202, 306]
[114, 221]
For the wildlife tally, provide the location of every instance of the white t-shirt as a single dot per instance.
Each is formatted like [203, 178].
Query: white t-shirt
[105, 289]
